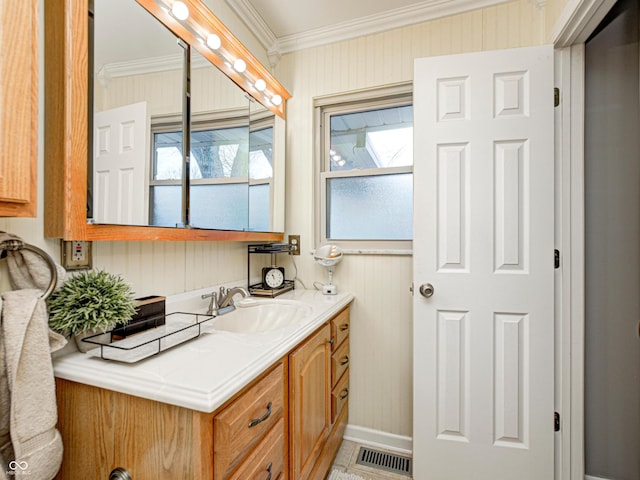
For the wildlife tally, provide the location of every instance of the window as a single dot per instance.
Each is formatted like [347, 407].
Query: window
[261, 174]
[366, 171]
[219, 191]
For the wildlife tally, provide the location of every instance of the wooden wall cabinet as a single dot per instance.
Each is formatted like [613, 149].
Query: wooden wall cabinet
[66, 142]
[284, 425]
[18, 107]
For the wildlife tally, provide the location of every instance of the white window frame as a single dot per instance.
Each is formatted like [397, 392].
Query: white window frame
[395, 95]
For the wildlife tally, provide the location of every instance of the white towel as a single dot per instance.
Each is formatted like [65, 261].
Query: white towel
[33, 415]
[30, 445]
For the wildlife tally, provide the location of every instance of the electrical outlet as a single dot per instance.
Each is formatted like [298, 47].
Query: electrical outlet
[76, 255]
[294, 241]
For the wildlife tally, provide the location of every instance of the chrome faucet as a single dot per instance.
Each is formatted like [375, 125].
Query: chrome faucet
[213, 304]
[225, 297]
[222, 302]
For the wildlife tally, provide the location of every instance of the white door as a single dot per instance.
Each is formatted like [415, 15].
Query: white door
[483, 238]
[120, 165]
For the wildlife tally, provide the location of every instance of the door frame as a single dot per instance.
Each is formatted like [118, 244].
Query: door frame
[574, 26]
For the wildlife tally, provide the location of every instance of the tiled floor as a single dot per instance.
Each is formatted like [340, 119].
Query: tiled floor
[346, 462]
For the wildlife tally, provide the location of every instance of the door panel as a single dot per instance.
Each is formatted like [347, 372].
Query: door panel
[120, 166]
[483, 223]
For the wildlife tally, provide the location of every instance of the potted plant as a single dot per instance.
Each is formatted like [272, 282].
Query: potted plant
[90, 302]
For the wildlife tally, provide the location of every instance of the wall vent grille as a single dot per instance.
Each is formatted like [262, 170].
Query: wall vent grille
[389, 462]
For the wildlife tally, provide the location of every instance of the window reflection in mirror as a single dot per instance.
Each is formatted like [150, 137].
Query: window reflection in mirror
[219, 176]
[261, 169]
[137, 79]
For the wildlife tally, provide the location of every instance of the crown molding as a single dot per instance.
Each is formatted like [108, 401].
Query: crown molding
[254, 21]
[147, 65]
[389, 20]
[539, 3]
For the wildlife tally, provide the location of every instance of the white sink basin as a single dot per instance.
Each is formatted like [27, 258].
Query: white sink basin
[255, 316]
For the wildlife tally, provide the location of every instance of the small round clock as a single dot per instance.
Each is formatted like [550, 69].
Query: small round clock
[273, 277]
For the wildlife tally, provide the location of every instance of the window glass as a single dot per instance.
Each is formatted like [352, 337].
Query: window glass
[261, 153]
[372, 139]
[222, 205]
[259, 207]
[167, 160]
[373, 207]
[167, 205]
[220, 153]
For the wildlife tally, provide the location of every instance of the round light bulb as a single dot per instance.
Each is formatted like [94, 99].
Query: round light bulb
[276, 100]
[213, 41]
[239, 65]
[260, 85]
[180, 11]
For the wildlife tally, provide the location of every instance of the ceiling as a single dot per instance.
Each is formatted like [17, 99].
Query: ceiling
[287, 25]
[281, 26]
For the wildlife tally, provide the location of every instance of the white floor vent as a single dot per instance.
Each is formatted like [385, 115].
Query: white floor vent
[389, 462]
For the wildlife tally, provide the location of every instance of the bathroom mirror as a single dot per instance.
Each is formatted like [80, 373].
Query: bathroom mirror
[266, 170]
[219, 160]
[135, 169]
[138, 77]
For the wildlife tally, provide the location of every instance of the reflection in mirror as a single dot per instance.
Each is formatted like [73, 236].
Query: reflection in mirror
[261, 168]
[219, 159]
[138, 84]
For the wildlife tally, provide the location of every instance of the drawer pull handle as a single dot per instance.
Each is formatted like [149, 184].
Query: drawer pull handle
[344, 327]
[345, 360]
[269, 470]
[119, 474]
[344, 394]
[256, 421]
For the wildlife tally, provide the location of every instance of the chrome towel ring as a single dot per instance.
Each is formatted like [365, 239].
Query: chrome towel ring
[14, 245]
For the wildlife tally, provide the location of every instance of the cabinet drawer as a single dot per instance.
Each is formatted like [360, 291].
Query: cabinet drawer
[339, 362]
[340, 327]
[243, 424]
[266, 460]
[339, 396]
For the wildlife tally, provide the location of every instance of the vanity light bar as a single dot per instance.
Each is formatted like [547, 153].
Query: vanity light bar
[192, 21]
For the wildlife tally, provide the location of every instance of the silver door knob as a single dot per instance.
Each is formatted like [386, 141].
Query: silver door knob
[426, 290]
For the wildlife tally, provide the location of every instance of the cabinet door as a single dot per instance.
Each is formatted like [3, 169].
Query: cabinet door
[310, 384]
[18, 107]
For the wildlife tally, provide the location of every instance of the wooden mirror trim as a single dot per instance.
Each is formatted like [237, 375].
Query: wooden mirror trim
[65, 169]
[207, 22]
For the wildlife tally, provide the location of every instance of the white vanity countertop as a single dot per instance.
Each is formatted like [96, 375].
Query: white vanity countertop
[203, 373]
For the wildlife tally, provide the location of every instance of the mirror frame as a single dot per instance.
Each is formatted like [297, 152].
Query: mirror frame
[66, 141]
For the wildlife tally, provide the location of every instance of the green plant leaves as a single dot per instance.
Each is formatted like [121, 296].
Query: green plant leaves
[93, 299]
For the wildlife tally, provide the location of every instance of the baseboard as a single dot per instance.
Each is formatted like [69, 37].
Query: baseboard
[379, 439]
[589, 477]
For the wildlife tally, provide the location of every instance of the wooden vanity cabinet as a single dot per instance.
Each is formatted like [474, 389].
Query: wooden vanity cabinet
[286, 424]
[18, 107]
[310, 387]
[319, 381]
[103, 430]
[340, 360]
[256, 415]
